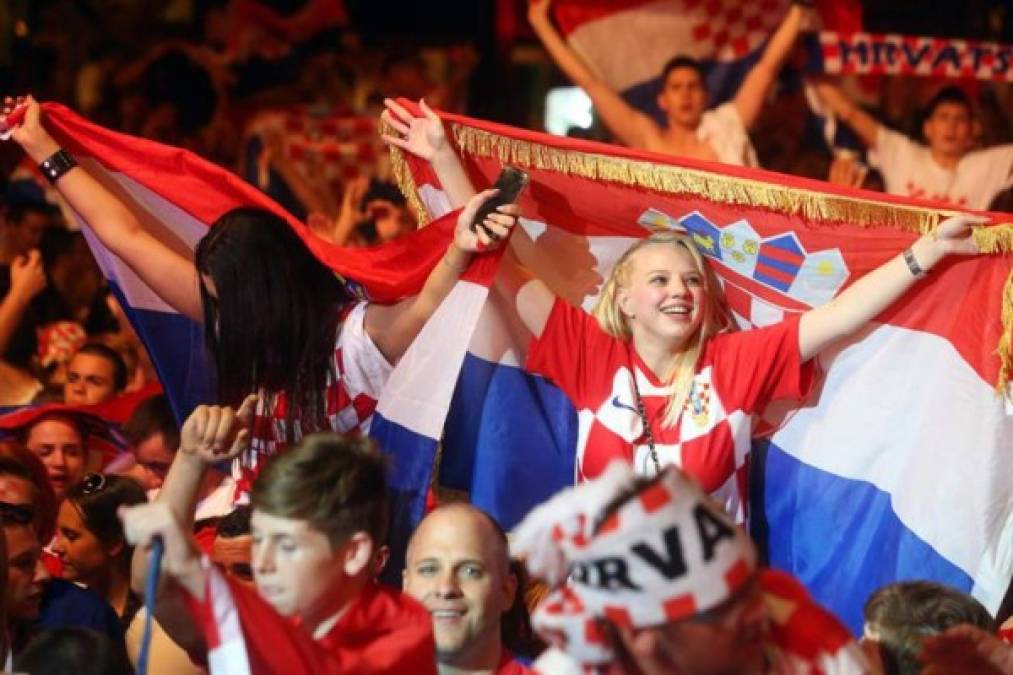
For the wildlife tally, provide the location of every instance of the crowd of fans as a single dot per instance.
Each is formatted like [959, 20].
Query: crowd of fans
[287, 94]
[258, 87]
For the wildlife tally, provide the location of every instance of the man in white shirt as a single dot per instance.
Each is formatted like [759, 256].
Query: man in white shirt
[692, 131]
[944, 170]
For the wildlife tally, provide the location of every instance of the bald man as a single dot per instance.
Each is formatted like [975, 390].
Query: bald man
[459, 568]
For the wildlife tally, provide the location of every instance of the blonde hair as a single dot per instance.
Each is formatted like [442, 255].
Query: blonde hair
[717, 317]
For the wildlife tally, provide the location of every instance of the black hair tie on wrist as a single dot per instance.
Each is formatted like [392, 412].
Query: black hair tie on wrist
[57, 164]
[912, 263]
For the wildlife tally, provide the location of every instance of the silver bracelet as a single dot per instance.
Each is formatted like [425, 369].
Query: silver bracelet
[912, 263]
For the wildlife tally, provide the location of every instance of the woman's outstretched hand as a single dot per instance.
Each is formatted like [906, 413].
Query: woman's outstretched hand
[423, 136]
[953, 236]
[30, 134]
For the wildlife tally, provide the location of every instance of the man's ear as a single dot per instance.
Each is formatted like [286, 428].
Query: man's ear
[356, 554]
[510, 584]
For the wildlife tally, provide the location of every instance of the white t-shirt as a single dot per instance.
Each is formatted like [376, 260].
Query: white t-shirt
[722, 129]
[908, 169]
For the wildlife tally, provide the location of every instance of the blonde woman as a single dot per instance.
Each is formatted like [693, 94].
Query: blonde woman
[657, 372]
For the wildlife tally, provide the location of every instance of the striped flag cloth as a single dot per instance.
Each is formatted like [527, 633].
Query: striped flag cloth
[627, 43]
[177, 195]
[897, 470]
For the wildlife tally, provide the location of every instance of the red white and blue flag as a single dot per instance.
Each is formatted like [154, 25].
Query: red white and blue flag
[896, 471]
[177, 196]
[897, 468]
[627, 43]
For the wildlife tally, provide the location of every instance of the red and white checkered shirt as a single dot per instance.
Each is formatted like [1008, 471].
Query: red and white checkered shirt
[354, 384]
[737, 375]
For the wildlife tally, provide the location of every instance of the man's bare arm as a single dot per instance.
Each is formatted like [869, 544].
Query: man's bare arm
[630, 126]
[864, 124]
[749, 99]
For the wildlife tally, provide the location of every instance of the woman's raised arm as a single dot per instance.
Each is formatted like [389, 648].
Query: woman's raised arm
[171, 275]
[866, 298]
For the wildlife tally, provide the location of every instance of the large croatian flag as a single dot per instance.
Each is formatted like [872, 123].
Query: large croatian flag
[628, 42]
[898, 468]
[177, 196]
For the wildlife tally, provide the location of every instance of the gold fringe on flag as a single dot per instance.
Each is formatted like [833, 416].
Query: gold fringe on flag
[814, 206]
[713, 187]
[1005, 349]
[403, 177]
[994, 239]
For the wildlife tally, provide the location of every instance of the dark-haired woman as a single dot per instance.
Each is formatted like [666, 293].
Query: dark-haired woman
[89, 539]
[276, 320]
[94, 552]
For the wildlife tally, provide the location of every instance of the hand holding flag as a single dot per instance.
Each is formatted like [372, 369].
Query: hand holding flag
[955, 235]
[11, 120]
[22, 116]
[422, 136]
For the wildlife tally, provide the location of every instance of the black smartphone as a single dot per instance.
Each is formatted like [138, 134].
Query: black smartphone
[510, 183]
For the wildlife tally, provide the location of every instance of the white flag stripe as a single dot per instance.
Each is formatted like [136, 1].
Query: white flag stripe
[932, 444]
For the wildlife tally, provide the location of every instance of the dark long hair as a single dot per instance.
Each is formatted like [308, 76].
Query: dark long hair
[273, 319]
[97, 498]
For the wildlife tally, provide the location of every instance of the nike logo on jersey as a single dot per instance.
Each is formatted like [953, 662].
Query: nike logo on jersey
[623, 406]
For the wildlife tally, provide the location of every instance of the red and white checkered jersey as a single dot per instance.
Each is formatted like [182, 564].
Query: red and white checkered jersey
[354, 383]
[737, 375]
